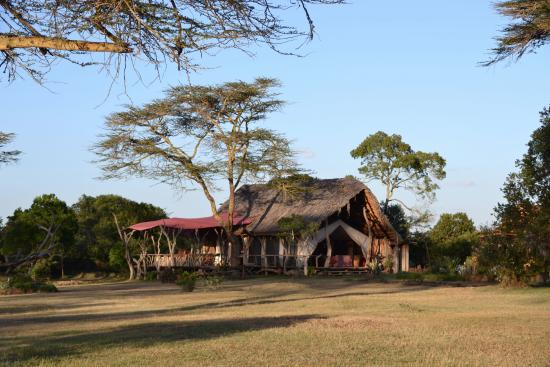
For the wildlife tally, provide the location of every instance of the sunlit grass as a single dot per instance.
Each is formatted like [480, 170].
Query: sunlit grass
[277, 322]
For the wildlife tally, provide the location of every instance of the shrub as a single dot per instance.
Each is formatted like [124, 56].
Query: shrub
[42, 270]
[24, 283]
[167, 276]
[213, 281]
[187, 281]
[375, 266]
[116, 258]
[388, 263]
[311, 271]
[151, 276]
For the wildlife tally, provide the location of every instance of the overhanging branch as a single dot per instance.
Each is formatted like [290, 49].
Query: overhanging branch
[12, 42]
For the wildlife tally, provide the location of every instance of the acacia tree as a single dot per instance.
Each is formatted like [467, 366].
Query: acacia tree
[33, 34]
[391, 161]
[7, 156]
[529, 30]
[199, 137]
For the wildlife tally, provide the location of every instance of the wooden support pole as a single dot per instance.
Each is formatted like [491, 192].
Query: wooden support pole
[263, 241]
[329, 246]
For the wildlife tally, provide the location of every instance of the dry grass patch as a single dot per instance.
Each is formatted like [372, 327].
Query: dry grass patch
[276, 321]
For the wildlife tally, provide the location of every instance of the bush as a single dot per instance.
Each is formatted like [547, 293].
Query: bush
[116, 258]
[187, 281]
[151, 276]
[388, 264]
[25, 284]
[167, 276]
[42, 270]
[213, 281]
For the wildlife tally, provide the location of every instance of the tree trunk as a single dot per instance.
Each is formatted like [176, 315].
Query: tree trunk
[62, 267]
[131, 269]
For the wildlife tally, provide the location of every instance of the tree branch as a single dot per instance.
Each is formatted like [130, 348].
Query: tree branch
[11, 42]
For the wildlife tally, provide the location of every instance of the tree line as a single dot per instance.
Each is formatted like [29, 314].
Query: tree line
[515, 248]
[69, 239]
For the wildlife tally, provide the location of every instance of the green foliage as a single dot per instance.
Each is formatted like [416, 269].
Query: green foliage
[505, 258]
[116, 258]
[399, 220]
[451, 226]
[529, 29]
[419, 249]
[296, 226]
[7, 156]
[519, 245]
[197, 137]
[24, 283]
[389, 263]
[213, 281]
[386, 158]
[97, 233]
[42, 270]
[24, 230]
[451, 242]
[375, 266]
[151, 276]
[311, 271]
[167, 275]
[187, 281]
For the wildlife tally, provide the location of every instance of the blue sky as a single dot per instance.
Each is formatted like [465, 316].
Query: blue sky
[403, 67]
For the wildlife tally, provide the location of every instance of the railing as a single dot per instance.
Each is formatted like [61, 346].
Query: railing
[184, 261]
[259, 261]
[284, 261]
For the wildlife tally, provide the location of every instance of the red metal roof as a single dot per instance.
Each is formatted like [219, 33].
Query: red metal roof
[190, 223]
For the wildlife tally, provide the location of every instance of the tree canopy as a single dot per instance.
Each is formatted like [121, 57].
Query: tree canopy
[199, 137]
[7, 156]
[97, 231]
[452, 226]
[529, 29]
[520, 244]
[27, 231]
[394, 163]
[34, 34]
[451, 241]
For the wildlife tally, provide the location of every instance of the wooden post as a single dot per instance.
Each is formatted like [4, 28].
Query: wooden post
[329, 246]
[263, 241]
[282, 252]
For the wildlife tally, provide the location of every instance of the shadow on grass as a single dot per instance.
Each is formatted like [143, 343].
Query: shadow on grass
[19, 309]
[269, 299]
[25, 349]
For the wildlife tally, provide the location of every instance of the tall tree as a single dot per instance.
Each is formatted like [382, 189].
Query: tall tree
[36, 33]
[529, 29]
[523, 218]
[199, 137]
[7, 156]
[392, 162]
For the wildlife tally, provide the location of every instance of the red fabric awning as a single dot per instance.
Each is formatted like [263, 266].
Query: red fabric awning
[190, 223]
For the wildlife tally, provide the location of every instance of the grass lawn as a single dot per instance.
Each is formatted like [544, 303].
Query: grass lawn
[277, 322]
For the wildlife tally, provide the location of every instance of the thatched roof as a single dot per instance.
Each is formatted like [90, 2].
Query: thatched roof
[323, 198]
